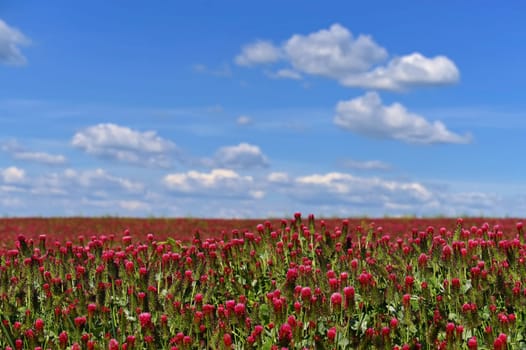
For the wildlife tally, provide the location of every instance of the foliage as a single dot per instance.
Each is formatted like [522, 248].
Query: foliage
[288, 284]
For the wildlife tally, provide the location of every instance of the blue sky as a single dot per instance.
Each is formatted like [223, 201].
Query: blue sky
[255, 109]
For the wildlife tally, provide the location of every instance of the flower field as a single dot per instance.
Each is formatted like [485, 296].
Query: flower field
[300, 283]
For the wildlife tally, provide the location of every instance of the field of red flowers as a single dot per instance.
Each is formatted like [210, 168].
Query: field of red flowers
[298, 283]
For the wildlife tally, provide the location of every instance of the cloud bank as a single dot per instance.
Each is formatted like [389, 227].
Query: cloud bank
[367, 115]
[124, 144]
[353, 61]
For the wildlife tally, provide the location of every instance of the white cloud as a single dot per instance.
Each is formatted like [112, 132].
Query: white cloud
[353, 61]
[125, 144]
[407, 71]
[278, 177]
[241, 156]
[91, 182]
[333, 53]
[244, 120]
[257, 194]
[339, 188]
[10, 41]
[286, 74]
[217, 183]
[18, 152]
[207, 194]
[100, 178]
[365, 165]
[471, 201]
[41, 157]
[337, 193]
[10, 146]
[13, 175]
[345, 183]
[455, 204]
[260, 52]
[367, 115]
[134, 205]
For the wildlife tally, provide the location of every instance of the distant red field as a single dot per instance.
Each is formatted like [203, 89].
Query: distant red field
[70, 228]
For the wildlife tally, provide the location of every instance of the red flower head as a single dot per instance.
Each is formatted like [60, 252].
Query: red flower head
[145, 319]
[227, 339]
[130, 340]
[394, 323]
[450, 327]
[409, 281]
[336, 299]
[406, 299]
[91, 309]
[446, 252]
[239, 309]
[199, 298]
[306, 293]
[39, 324]
[292, 275]
[113, 344]
[63, 338]
[80, 321]
[331, 334]
[349, 292]
[472, 343]
[285, 333]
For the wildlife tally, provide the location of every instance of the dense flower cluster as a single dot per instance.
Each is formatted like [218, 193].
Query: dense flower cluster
[292, 285]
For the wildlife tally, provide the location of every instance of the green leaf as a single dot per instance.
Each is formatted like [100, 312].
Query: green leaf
[267, 345]
[467, 286]
[171, 241]
[453, 317]
[343, 342]
[264, 312]
[412, 329]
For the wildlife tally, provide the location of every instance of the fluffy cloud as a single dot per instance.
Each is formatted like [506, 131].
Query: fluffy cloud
[12, 175]
[10, 41]
[368, 116]
[406, 71]
[217, 183]
[333, 53]
[125, 144]
[353, 61]
[242, 156]
[260, 52]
